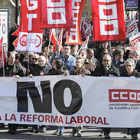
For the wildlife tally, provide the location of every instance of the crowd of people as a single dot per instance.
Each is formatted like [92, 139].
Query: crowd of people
[71, 60]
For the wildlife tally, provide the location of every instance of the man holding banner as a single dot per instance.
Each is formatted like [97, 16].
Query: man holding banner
[107, 69]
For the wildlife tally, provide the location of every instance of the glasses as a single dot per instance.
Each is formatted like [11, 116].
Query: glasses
[105, 53]
[35, 59]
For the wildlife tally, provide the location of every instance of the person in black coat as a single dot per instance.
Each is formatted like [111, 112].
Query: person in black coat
[58, 68]
[107, 69]
[40, 70]
[130, 69]
[133, 55]
[131, 72]
[10, 70]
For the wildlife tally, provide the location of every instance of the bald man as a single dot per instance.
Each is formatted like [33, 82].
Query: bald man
[107, 69]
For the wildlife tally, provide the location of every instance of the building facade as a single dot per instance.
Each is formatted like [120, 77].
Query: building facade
[7, 5]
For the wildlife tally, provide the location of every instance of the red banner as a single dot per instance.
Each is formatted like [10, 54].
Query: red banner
[74, 34]
[108, 20]
[30, 35]
[56, 13]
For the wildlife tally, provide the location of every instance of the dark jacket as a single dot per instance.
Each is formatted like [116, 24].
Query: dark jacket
[119, 65]
[101, 71]
[137, 65]
[11, 70]
[134, 74]
[40, 71]
[62, 71]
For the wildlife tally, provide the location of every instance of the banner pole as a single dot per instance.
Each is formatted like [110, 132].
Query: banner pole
[50, 38]
[28, 64]
[3, 60]
[57, 47]
[110, 47]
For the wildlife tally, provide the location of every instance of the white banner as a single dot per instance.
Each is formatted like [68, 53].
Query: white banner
[132, 28]
[4, 27]
[135, 41]
[31, 42]
[71, 100]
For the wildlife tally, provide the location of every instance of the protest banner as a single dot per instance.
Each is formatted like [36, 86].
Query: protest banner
[30, 34]
[73, 33]
[108, 20]
[135, 41]
[132, 28]
[56, 14]
[86, 27]
[66, 101]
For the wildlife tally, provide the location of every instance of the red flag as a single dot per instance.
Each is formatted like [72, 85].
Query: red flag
[4, 56]
[56, 13]
[30, 35]
[85, 44]
[108, 20]
[16, 33]
[53, 38]
[60, 39]
[74, 34]
[15, 42]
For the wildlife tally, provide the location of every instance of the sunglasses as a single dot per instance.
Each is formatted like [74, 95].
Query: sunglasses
[35, 59]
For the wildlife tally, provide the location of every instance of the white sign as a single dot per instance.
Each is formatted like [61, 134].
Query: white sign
[135, 41]
[71, 100]
[4, 14]
[132, 28]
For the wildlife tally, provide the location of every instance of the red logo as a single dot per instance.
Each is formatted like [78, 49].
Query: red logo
[23, 40]
[39, 38]
[124, 95]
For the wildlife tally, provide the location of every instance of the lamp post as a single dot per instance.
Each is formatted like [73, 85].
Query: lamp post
[16, 12]
[139, 10]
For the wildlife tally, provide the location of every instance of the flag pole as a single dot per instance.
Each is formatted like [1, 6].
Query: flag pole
[57, 47]
[50, 38]
[28, 65]
[3, 59]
